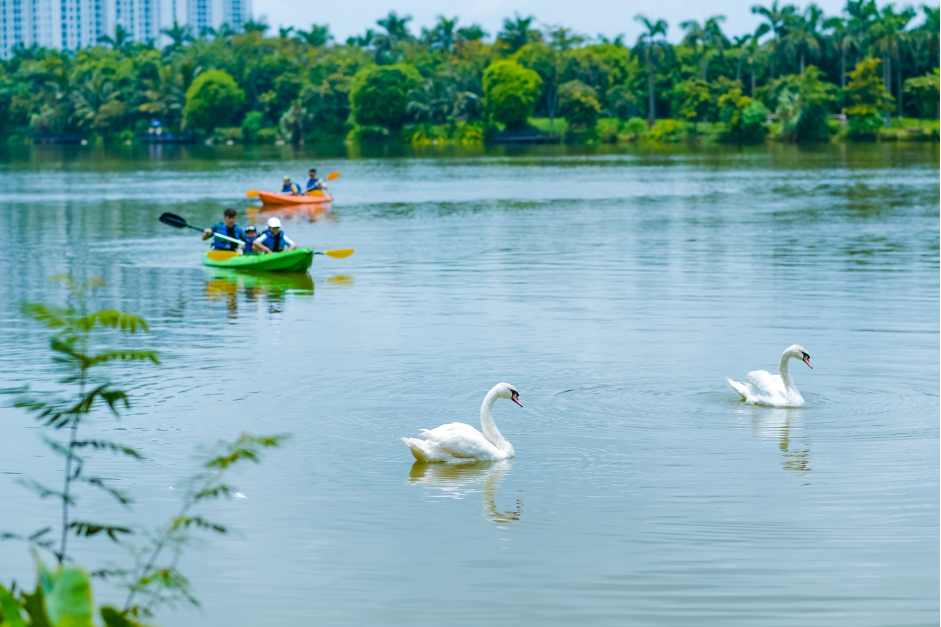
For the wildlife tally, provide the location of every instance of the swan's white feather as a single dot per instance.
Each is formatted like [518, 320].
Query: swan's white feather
[455, 440]
[459, 442]
[764, 388]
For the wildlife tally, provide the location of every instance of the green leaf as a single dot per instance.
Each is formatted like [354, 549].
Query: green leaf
[114, 618]
[67, 595]
[52, 317]
[212, 493]
[44, 492]
[10, 609]
[104, 445]
[35, 608]
[113, 319]
[124, 355]
[122, 498]
[87, 529]
[184, 522]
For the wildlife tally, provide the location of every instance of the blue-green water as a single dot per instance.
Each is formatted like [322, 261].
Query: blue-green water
[615, 290]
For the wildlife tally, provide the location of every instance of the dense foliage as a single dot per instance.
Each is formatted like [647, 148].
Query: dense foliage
[303, 85]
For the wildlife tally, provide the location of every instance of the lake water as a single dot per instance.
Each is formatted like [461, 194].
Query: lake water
[615, 289]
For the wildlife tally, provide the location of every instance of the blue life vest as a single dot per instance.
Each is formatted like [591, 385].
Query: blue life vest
[274, 242]
[291, 187]
[313, 184]
[248, 250]
[235, 232]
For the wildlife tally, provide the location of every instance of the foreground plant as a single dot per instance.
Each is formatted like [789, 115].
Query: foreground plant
[63, 596]
[74, 350]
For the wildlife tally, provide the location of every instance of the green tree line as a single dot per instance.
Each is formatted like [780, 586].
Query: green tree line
[798, 67]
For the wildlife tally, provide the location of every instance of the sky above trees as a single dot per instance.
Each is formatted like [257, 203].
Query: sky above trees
[589, 17]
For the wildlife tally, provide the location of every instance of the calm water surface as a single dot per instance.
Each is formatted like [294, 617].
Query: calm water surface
[614, 290]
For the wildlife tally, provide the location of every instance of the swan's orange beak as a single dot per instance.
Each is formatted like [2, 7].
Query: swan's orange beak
[516, 399]
[807, 361]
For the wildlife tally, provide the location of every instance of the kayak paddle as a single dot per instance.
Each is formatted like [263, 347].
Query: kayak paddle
[174, 220]
[336, 254]
[253, 193]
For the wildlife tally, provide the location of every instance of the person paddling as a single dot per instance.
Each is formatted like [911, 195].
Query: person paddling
[227, 227]
[273, 240]
[290, 188]
[314, 183]
[251, 234]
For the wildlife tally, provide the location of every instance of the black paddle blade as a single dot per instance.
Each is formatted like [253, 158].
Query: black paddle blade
[173, 220]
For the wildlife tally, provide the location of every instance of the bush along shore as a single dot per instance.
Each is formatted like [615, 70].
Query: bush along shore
[867, 74]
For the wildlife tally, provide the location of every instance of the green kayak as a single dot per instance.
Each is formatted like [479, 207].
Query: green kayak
[297, 260]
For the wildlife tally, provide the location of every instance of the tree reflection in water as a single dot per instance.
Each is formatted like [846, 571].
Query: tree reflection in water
[458, 480]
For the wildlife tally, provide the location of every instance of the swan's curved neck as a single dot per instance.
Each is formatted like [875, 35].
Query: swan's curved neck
[487, 424]
[789, 386]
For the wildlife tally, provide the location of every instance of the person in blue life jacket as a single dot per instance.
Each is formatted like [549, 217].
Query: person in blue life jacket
[290, 188]
[227, 227]
[251, 234]
[315, 183]
[273, 240]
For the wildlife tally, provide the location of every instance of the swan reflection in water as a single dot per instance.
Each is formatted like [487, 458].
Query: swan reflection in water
[784, 425]
[458, 480]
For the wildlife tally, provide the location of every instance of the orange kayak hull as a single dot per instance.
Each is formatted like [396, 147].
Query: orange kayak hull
[269, 198]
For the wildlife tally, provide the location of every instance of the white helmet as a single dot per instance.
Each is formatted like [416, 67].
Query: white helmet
[274, 222]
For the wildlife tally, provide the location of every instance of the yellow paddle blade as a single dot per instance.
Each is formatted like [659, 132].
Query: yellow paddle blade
[339, 254]
[252, 193]
[221, 255]
[333, 176]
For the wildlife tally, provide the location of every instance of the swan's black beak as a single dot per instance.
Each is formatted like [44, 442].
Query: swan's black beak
[807, 361]
[515, 397]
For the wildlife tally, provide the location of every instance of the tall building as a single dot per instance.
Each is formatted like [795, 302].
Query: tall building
[74, 24]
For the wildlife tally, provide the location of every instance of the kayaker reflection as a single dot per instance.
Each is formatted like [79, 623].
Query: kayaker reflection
[313, 182]
[227, 227]
[290, 188]
[251, 234]
[273, 240]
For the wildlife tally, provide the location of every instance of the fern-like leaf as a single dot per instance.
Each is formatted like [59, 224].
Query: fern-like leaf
[87, 529]
[105, 445]
[123, 355]
[121, 497]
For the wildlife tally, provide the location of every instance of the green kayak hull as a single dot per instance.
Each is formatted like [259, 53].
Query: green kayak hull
[297, 260]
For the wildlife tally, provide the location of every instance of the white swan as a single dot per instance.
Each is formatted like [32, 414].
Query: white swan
[775, 390]
[458, 442]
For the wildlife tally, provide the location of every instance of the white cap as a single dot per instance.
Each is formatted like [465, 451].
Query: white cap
[274, 222]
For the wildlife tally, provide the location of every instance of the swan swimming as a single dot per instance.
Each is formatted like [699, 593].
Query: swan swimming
[775, 390]
[459, 442]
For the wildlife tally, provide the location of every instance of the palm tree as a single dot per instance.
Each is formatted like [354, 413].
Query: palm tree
[285, 33]
[442, 36]
[889, 39]
[165, 95]
[802, 36]
[518, 33]
[260, 27]
[652, 46]
[564, 39]
[754, 54]
[844, 39]
[317, 35]
[120, 40]
[474, 32]
[179, 35]
[708, 34]
[929, 30]
[396, 31]
[776, 18]
[862, 14]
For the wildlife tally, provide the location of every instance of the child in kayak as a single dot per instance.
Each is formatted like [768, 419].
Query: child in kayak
[251, 234]
[273, 240]
[227, 227]
[290, 188]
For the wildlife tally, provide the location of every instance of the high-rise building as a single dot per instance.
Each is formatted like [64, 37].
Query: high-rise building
[74, 24]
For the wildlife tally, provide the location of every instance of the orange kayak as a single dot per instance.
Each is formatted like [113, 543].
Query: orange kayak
[270, 198]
